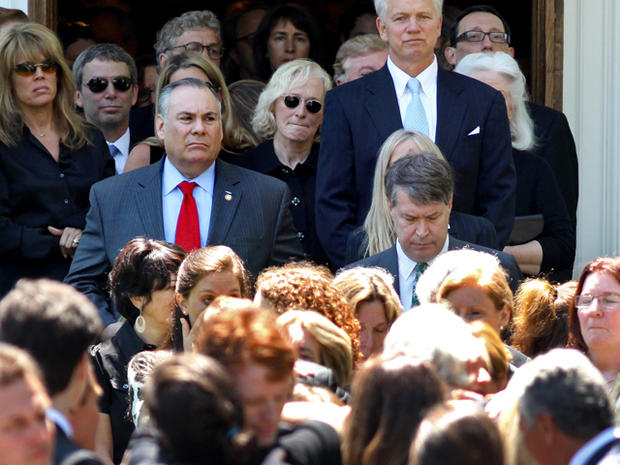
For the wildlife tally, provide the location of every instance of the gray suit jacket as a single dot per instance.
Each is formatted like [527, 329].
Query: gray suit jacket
[254, 221]
[389, 261]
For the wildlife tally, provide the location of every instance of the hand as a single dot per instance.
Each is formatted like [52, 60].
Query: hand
[69, 239]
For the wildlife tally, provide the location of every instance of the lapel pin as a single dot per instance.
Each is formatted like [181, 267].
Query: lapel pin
[228, 196]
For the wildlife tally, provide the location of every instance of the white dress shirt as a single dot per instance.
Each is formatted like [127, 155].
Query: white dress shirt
[406, 273]
[60, 421]
[122, 144]
[428, 92]
[172, 199]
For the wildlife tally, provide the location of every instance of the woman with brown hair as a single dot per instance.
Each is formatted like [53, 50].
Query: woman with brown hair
[49, 158]
[390, 399]
[374, 302]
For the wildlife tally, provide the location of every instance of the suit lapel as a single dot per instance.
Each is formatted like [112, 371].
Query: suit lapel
[450, 113]
[147, 200]
[226, 196]
[381, 103]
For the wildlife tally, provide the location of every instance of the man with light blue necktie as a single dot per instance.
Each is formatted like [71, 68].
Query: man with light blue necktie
[465, 118]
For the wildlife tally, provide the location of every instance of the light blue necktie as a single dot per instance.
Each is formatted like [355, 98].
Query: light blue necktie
[415, 116]
[115, 153]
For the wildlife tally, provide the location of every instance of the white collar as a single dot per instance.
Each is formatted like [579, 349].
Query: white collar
[593, 445]
[427, 78]
[172, 177]
[60, 420]
[122, 143]
[406, 266]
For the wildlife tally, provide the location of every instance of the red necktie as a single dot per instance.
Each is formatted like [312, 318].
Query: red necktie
[188, 227]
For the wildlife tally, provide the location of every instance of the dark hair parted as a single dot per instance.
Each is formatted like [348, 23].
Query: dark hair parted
[238, 336]
[54, 323]
[195, 407]
[425, 178]
[454, 30]
[103, 52]
[390, 397]
[604, 265]
[301, 19]
[459, 433]
[141, 267]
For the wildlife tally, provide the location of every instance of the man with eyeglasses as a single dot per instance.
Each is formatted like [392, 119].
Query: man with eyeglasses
[481, 28]
[193, 31]
[106, 81]
[239, 36]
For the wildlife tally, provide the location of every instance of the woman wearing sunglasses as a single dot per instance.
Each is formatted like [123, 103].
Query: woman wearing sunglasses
[49, 158]
[594, 320]
[288, 117]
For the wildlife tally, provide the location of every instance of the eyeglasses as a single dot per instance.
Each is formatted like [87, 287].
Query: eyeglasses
[99, 84]
[606, 300]
[478, 36]
[214, 51]
[313, 106]
[29, 69]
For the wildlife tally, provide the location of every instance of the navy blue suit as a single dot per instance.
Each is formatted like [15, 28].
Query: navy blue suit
[472, 133]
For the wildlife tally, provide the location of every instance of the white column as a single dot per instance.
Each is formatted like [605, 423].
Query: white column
[17, 4]
[592, 105]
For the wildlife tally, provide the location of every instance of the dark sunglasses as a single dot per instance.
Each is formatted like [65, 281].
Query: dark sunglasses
[29, 69]
[99, 84]
[313, 106]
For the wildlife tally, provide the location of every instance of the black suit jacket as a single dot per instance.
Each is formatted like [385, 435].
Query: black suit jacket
[249, 214]
[472, 133]
[556, 145]
[68, 453]
[388, 260]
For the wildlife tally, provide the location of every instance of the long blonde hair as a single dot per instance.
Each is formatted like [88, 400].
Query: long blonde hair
[28, 41]
[378, 225]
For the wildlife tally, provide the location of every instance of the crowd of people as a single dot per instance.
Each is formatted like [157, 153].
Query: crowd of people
[265, 263]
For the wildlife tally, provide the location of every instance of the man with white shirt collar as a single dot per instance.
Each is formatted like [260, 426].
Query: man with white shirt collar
[466, 119]
[56, 325]
[106, 78]
[419, 189]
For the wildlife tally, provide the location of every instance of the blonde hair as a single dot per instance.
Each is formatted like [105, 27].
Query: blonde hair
[357, 46]
[368, 284]
[380, 233]
[335, 345]
[28, 41]
[292, 74]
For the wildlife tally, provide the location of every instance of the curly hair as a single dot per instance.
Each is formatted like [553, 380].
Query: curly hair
[304, 286]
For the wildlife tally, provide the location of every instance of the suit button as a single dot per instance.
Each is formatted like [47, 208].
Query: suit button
[300, 236]
[62, 175]
[66, 201]
[286, 170]
[295, 201]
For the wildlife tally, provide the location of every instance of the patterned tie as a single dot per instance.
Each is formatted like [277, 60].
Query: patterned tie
[418, 270]
[118, 158]
[415, 116]
[188, 227]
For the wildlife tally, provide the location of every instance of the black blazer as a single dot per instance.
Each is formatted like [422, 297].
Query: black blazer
[66, 452]
[472, 133]
[388, 260]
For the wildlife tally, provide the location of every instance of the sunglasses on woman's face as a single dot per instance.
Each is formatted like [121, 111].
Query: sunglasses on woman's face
[99, 84]
[29, 69]
[313, 106]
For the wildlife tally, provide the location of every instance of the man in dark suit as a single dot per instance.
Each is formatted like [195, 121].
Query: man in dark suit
[466, 118]
[107, 87]
[481, 28]
[420, 193]
[56, 325]
[244, 210]
[566, 416]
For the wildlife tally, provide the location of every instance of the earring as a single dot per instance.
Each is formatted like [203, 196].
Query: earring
[140, 324]
[501, 328]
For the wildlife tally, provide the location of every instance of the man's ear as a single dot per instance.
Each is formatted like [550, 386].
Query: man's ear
[134, 96]
[451, 200]
[163, 59]
[159, 125]
[381, 29]
[450, 54]
[511, 52]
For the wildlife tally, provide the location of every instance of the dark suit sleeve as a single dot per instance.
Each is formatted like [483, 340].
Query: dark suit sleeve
[286, 245]
[497, 182]
[336, 201]
[88, 272]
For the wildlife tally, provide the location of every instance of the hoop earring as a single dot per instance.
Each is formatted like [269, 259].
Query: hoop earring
[140, 324]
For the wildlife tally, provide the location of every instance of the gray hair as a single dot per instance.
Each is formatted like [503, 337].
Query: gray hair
[356, 47]
[501, 63]
[378, 223]
[190, 20]
[103, 52]
[424, 177]
[381, 8]
[164, 97]
[292, 74]
[431, 280]
[432, 332]
[565, 385]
